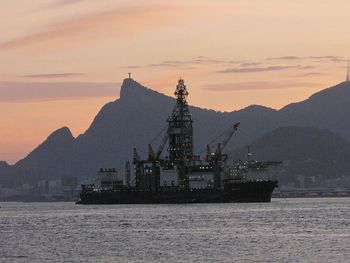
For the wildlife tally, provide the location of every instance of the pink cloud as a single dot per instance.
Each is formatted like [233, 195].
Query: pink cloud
[118, 22]
[256, 85]
[255, 69]
[64, 3]
[55, 75]
[40, 91]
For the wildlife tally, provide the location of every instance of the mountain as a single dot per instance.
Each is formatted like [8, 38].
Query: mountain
[306, 151]
[135, 119]
[327, 109]
[140, 114]
[4, 164]
[45, 161]
[5, 174]
[48, 158]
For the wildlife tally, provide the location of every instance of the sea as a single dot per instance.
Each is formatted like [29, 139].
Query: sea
[285, 230]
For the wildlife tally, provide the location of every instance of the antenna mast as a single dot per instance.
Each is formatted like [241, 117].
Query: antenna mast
[348, 73]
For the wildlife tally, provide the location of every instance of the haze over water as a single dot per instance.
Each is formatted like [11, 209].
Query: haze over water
[285, 230]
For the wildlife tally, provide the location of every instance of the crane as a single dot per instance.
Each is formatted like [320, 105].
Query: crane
[154, 156]
[136, 157]
[151, 154]
[221, 145]
[162, 145]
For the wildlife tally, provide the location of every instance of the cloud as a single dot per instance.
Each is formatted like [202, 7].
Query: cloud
[167, 64]
[285, 58]
[200, 60]
[54, 4]
[209, 60]
[255, 69]
[118, 22]
[325, 58]
[37, 91]
[336, 59]
[254, 85]
[308, 74]
[240, 66]
[249, 64]
[55, 75]
[306, 67]
[60, 3]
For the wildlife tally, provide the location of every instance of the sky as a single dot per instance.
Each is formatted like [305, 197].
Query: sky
[62, 60]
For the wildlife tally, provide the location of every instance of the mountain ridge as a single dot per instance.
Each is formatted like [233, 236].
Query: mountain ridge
[140, 113]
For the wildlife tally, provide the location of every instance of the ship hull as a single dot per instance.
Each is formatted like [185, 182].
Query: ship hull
[247, 191]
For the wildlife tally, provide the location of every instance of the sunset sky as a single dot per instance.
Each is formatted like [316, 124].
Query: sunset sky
[62, 60]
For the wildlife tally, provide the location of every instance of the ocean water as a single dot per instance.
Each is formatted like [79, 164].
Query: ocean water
[285, 230]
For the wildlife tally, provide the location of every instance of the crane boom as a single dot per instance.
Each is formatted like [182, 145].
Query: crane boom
[229, 135]
[151, 154]
[227, 138]
[136, 157]
[162, 145]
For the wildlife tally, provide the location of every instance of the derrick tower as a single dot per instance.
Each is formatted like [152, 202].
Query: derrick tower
[180, 130]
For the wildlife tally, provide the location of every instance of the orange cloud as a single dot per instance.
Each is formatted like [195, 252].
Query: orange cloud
[44, 91]
[257, 85]
[63, 3]
[55, 75]
[119, 22]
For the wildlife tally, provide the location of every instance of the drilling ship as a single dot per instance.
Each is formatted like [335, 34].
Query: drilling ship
[182, 176]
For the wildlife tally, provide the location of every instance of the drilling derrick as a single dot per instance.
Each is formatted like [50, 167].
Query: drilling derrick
[180, 133]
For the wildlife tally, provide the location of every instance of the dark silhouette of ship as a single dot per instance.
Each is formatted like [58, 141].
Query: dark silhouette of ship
[182, 176]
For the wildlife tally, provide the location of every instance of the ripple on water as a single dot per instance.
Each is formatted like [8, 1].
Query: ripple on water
[285, 230]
